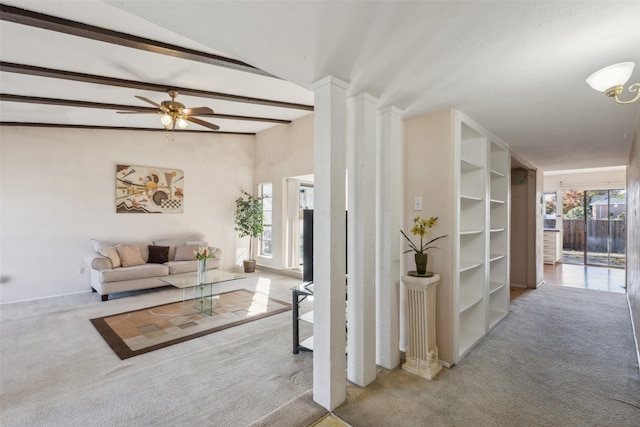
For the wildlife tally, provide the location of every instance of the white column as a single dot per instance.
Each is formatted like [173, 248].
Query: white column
[329, 379]
[388, 219]
[361, 241]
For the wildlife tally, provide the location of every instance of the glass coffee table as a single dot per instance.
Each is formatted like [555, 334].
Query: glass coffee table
[198, 297]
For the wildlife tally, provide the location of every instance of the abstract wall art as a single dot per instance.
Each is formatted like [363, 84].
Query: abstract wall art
[144, 189]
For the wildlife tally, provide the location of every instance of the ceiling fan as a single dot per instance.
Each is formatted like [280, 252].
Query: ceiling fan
[174, 113]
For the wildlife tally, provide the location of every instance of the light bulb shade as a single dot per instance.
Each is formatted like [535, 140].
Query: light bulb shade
[611, 76]
[182, 123]
[166, 120]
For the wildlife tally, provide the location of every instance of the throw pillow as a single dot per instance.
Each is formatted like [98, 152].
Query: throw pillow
[130, 255]
[186, 253]
[158, 254]
[112, 254]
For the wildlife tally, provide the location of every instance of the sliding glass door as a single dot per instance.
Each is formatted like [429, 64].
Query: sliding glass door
[597, 229]
[594, 227]
[605, 228]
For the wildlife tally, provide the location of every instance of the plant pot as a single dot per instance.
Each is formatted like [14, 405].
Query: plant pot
[421, 263]
[249, 265]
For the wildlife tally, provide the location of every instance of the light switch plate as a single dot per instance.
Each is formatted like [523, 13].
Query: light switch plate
[417, 203]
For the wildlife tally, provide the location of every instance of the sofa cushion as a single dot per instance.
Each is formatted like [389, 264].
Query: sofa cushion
[130, 255]
[136, 272]
[186, 253]
[112, 253]
[177, 267]
[158, 254]
[144, 246]
[180, 240]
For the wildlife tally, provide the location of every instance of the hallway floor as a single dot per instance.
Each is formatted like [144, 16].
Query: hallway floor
[587, 277]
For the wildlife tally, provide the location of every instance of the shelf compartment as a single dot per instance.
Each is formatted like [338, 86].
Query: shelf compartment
[495, 287]
[307, 317]
[472, 328]
[470, 232]
[467, 302]
[308, 343]
[472, 213]
[496, 230]
[497, 201]
[496, 174]
[466, 265]
[498, 306]
[469, 166]
[496, 316]
[471, 289]
[496, 257]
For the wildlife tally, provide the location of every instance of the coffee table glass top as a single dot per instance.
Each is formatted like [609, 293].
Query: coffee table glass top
[190, 280]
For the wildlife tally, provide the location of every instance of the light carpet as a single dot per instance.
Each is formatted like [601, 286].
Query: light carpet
[563, 357]
[55, 370]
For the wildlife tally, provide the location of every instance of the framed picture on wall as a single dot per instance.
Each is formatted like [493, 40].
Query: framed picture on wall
[144, 189]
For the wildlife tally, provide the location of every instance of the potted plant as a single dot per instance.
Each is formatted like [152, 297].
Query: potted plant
[249, 222]
[420, 228]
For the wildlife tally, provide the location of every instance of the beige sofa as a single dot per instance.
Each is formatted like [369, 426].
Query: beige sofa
[129, 266]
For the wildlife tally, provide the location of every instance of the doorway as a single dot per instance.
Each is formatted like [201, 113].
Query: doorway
[594, 223]
[300, 196]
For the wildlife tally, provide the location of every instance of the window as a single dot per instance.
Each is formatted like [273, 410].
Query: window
[266, 191]
[550, 201]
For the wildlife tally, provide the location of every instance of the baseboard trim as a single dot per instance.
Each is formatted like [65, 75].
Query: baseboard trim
[633, 331]
[284, 271]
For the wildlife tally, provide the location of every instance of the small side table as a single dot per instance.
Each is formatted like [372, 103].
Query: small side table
[422, 353]
[300, 293]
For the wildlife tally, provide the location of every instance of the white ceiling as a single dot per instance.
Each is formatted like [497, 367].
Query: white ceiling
[518, 67]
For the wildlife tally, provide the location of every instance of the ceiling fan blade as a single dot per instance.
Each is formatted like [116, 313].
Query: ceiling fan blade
[202, 123]
[140, 112]
[198, 111]
[152, 103]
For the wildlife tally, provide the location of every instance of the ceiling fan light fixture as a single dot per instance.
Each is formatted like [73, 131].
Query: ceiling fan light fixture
[166, 119]
[174, 113]
[611, 80]
[182, 123]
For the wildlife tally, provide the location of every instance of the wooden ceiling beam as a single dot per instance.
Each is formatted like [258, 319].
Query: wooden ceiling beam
[32, 70]
[74, 28]
[66, 126]
[104, 106]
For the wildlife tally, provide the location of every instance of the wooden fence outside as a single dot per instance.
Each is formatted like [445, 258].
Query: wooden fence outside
[598, 232]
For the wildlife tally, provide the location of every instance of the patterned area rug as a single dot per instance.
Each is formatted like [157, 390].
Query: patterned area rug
[136, 332]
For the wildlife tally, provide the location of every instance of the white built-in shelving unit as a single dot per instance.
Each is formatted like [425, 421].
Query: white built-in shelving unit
[481, 285]
[499, 202]
[465, 174]
[472, 250]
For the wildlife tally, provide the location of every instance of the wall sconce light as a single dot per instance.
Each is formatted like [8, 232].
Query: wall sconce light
[611, 81]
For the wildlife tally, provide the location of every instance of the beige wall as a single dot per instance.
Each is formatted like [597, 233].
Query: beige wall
[633, 234]
[429, 172]
[57, 192]
[282, 152]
